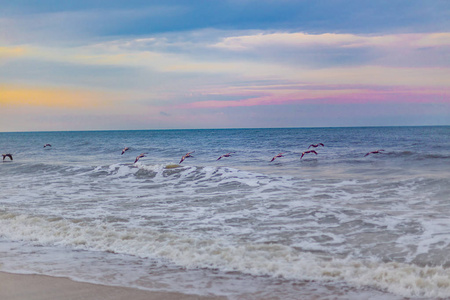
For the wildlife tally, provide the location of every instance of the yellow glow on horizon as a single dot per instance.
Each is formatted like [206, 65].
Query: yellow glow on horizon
[49, 97]
[11, 51]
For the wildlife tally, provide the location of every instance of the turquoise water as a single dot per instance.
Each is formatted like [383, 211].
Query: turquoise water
[337, 224]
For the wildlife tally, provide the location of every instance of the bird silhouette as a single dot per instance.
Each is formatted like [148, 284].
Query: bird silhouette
[226, 155]
[316, 145]
[278, 155]
[306, 152]
[374, 152]
[186, 156]
[140, 156]
[7, 155]
[125, 149]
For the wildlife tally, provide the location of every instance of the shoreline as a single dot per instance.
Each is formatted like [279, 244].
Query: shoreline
[44, 287]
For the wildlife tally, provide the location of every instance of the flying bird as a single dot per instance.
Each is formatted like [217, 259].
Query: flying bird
[316, 145]
[186, 156]
[309, 151]
[278, 155]
[225, 155]
[47, 145]
[374, 152]
[140, 156]
[125, 149]
[7, 155]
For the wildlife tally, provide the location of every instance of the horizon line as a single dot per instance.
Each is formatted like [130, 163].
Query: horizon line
[225, 128]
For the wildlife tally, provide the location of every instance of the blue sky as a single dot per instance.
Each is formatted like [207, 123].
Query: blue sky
[86, 65]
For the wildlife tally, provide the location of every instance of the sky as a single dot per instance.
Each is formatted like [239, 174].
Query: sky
[173, 64]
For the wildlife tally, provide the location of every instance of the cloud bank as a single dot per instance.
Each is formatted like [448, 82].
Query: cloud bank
[204, 64]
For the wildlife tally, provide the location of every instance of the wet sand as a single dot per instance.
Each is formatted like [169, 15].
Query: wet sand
[41, 287]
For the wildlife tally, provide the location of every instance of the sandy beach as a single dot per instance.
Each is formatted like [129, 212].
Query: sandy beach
[40, 287]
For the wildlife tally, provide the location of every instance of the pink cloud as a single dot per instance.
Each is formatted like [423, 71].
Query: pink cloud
[334, 94]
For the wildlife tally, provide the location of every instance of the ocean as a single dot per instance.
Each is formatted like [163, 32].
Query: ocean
[333, 225]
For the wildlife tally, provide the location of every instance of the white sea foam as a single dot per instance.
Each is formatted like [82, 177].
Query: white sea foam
[274, 260]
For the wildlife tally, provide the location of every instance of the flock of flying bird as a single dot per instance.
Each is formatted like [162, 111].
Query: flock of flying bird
[182, 158]
[9, 155]
[229, 153]
[303, 153]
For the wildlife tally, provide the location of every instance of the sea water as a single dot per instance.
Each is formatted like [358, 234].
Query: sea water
[333, 225]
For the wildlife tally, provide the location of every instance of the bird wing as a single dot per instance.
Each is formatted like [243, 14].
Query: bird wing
[139, 156]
